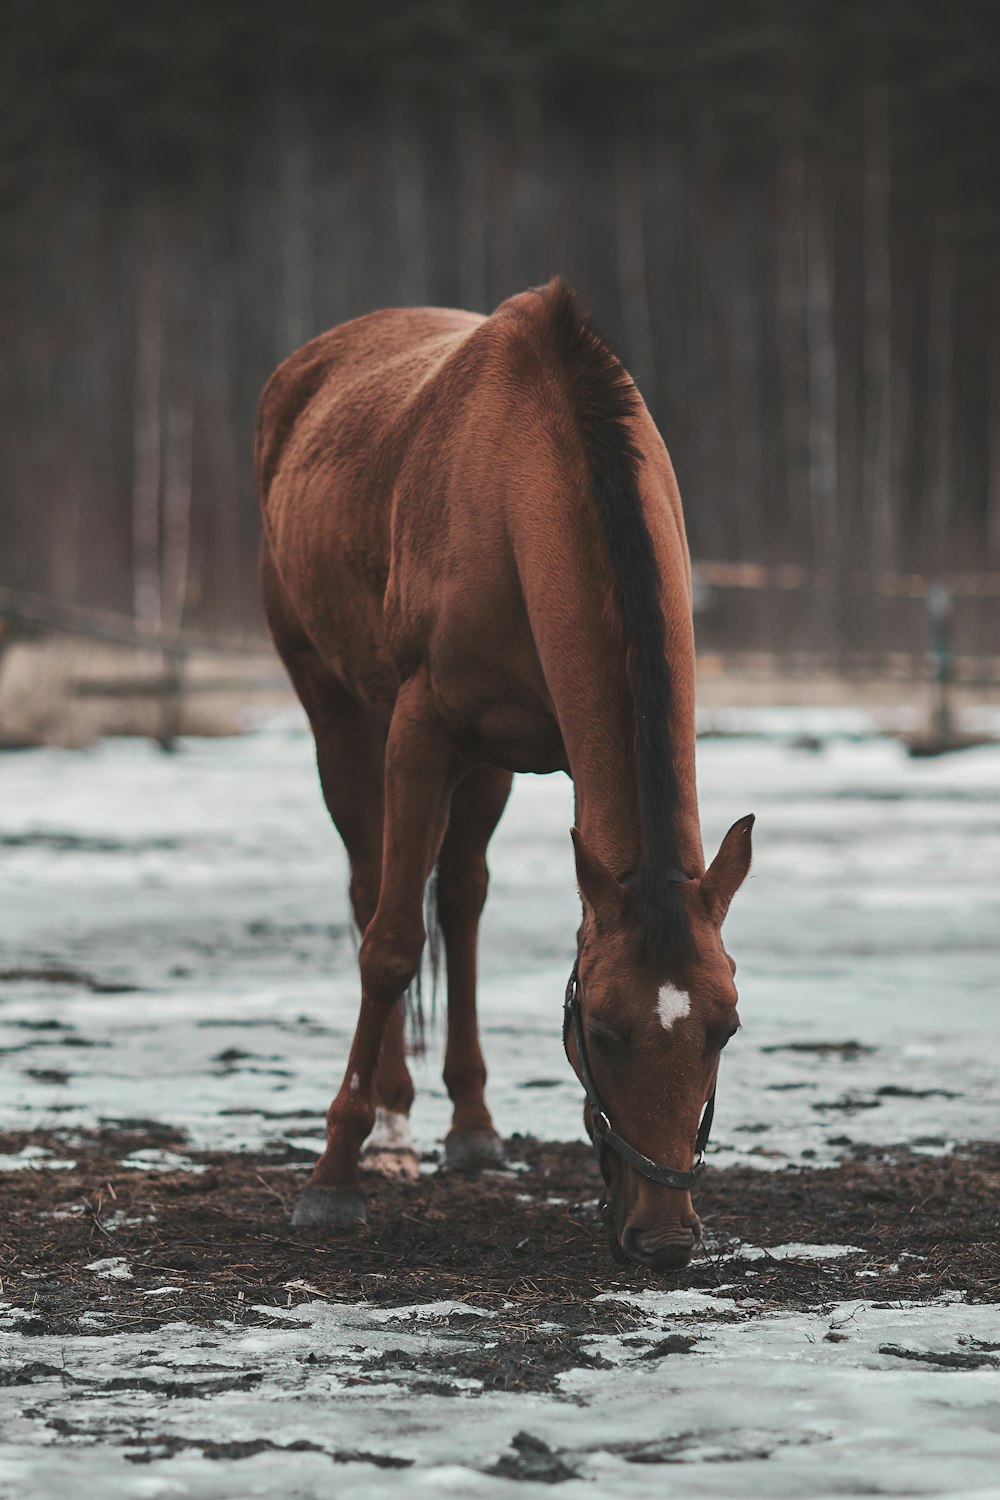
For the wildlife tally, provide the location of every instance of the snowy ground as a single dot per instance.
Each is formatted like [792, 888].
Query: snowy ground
[197, 908]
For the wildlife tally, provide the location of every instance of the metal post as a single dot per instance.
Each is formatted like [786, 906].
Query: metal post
[939, 618]
[173, 694]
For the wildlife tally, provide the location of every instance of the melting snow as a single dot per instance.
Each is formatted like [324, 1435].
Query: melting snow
[201, 899]
[114, 1267]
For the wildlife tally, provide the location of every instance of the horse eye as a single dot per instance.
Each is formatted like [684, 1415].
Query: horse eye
[608, 1042]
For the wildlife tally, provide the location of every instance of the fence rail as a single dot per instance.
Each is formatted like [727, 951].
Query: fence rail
[30, 615]
[723, 575]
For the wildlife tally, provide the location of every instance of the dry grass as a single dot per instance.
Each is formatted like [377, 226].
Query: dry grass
[40, 701]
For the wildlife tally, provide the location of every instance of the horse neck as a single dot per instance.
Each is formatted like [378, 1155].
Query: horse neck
[600, 749]
[583, 659]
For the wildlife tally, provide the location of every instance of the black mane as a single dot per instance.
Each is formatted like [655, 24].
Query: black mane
[603, 400]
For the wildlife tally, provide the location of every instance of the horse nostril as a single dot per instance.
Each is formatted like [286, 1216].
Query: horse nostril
[694, 1224]
[630, 1244]
[662, 1248]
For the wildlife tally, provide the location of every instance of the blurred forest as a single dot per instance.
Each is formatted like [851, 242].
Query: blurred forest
[785, 216]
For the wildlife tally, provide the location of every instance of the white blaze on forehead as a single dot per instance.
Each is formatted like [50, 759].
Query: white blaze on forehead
[672, 1005]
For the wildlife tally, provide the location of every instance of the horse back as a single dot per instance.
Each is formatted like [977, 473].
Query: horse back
[428, 505]
[329, 442]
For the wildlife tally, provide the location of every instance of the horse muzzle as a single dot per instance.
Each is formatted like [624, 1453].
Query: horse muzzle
[668, 1249]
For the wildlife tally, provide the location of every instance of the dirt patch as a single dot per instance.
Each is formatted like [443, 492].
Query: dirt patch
[218, 1244]
[532, 1461]
[951, 1359]
[60, 974]
[847, 1050]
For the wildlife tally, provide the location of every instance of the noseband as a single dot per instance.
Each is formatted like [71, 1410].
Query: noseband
[605, 1138]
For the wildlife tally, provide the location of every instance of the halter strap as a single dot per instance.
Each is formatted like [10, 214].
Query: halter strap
[605, 1137]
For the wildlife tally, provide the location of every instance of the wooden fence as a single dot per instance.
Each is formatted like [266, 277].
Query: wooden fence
[24, 616]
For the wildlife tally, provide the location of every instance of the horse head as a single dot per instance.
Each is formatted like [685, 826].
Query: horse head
[645, 1040]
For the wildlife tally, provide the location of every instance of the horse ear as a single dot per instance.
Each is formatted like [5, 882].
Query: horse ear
[728, 869]
[600, 890]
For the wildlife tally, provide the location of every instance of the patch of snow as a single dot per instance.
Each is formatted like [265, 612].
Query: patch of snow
[34, 1157]
[428, 1311]
[155, 1159]
[214, 883]
[759, 1408]
[111, 1268]
[792, 1252]
[868, 943]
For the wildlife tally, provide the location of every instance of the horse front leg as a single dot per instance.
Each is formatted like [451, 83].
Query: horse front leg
[420, 766]
[389, 1149]
[476, 807]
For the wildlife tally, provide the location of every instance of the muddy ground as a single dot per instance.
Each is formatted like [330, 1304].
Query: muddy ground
[101, 1248]
[178, 989]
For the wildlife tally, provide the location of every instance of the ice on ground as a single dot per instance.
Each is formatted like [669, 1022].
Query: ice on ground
[793, 1252]
[176, 946]
[769, 1406]
[112, 1267]
[33, 1157]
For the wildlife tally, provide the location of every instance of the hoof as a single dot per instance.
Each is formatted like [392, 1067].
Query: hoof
[400, 1166]
[330, 1208]
[471, 1150]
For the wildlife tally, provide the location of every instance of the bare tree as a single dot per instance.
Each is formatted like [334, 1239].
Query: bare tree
[877, 438]
[147, 428]
[940, 395]
[633, 286]
[821, 355]
[993, 433]
[790, 279]
[473, 213]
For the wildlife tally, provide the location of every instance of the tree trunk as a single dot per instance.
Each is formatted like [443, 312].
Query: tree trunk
[633, 286]
[177, 507]
[410, 205]
[147, 434]
[472, 206]
[993, 436]
[790, 267]
[296, 239]
[821, 357]
[877, 493]
[939, 510]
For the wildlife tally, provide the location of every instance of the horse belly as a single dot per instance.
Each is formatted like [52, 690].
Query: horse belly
[518, 737]
[494, 702]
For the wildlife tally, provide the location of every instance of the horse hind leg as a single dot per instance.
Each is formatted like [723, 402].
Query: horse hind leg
[350, 753]
[476, 807]
[389, 1148]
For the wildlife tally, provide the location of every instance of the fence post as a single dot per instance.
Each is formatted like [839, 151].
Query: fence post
[939, 620]
[173, 693]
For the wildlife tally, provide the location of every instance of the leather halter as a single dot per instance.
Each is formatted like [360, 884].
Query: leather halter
[605, 1138]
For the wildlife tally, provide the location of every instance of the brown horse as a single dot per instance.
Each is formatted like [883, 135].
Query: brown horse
[474, 564]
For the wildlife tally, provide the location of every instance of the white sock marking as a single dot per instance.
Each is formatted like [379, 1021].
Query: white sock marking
[672, 1005]
[391, 1132]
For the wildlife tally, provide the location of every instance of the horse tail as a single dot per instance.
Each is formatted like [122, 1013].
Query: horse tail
[417, 1022]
